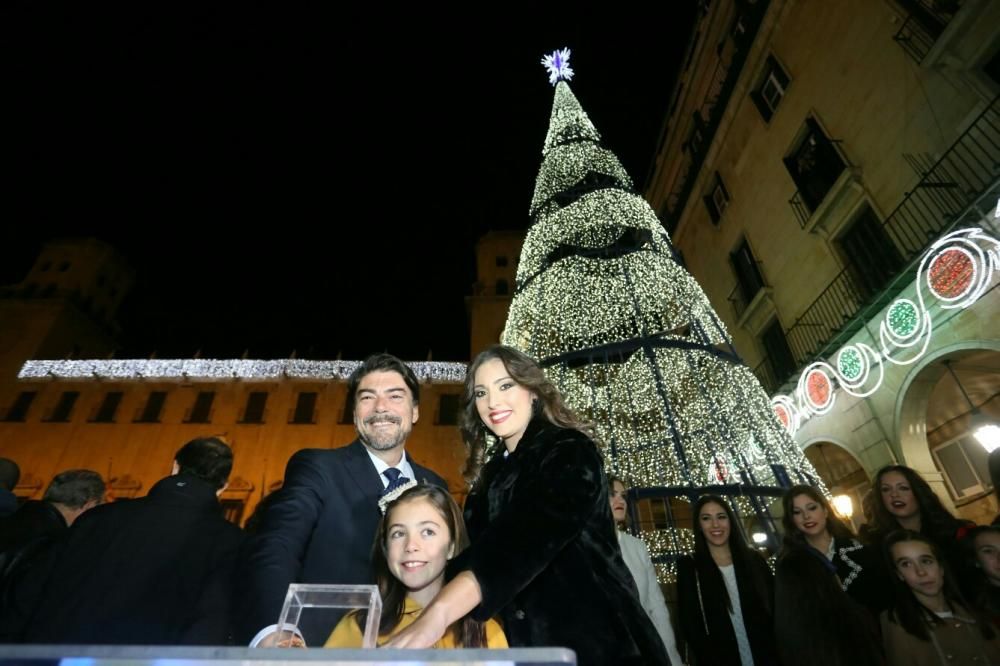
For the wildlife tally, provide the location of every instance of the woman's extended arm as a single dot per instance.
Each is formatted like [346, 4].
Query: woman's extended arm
[452, 603]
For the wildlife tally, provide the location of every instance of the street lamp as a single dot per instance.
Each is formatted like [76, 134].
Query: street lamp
[982, 427]
[843, 505]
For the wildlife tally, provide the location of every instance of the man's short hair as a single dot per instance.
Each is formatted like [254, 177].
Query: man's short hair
[382, 363]
[74, 488]
[207, 458]
[10, 473]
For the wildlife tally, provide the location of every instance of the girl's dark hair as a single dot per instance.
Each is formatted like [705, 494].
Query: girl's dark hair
[708, 570]
[466, 632]
[986, 597]
[936, 521]
[834, 524]
[909, 613]
[526, 373]
[808, 601]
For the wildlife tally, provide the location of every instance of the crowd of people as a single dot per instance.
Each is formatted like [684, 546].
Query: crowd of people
[537, 537]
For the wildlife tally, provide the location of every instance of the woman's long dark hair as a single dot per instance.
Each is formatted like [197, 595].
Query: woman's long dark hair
[526, 373]
[936, 521]
[909, 613]
[835, 525]
[466, 632]
[741, 553]
[808, 604]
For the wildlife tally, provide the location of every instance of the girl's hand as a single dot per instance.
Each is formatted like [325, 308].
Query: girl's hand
[427, 630]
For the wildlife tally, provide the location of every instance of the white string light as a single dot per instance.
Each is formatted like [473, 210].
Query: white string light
[216, 369]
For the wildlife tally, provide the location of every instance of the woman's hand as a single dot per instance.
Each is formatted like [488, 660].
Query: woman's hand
[427, 630]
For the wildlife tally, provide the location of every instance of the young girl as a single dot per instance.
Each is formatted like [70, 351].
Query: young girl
[929, 623]
[725, 593]
[420, 531]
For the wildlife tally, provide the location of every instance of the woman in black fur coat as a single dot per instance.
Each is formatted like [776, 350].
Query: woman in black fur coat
[544, 557]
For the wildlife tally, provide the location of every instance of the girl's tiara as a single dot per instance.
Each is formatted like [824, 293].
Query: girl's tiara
[393, 495]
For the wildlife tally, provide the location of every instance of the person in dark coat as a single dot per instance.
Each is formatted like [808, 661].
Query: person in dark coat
[544, 556]
[10, 474]
[151, 571]
[810, 521]
[27, 536]
[319, 527]
[725, 593]
[815, 621]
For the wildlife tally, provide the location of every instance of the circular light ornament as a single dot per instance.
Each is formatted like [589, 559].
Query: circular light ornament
[903, 318]
[952, 274]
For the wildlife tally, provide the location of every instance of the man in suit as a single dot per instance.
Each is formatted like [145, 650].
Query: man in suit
[151, 571]
[320, 527]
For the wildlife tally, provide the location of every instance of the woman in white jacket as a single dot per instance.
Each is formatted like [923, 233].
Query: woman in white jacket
[636, 556]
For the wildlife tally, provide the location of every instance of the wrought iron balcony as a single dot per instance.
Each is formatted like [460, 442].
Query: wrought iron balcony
[764, 372]
[963, 175]
[924, 23]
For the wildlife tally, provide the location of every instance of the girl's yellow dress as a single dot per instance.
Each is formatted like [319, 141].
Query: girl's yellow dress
[347, 633]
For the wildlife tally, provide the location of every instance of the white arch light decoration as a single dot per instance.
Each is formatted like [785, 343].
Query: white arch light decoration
[954, 272]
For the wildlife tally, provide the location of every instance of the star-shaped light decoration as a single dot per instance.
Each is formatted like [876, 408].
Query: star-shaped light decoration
[558, 66]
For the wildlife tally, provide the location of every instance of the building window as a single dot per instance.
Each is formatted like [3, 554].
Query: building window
[254, 410]
[106, 412]
[501, 287]
[449, 408]
[814, 164]
[64, 408]
[697, 136]
[779, 361]
[747, 273]
[19, 410]
[771, 89]
[717, 200]
[305, 408]
[501, 262]
[347, 416]
[153, 408]
[201, 412]
[965, 465]
[871, 256]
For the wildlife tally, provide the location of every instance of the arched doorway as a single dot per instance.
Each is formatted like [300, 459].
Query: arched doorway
[841, 473]
[965, 380]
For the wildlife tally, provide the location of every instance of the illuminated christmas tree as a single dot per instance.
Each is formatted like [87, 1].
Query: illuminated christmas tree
[603, 302]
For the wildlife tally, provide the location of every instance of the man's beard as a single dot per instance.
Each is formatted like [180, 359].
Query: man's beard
[382, 441]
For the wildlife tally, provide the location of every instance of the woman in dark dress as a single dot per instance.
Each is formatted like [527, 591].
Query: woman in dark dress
[725, 593]
[544, 557]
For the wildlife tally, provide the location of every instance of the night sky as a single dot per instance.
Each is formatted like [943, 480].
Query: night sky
[303, 177]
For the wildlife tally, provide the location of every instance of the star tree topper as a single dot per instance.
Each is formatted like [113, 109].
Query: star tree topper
[558, 66]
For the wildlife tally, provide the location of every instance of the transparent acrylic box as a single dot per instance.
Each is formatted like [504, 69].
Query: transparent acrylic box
[314, 611]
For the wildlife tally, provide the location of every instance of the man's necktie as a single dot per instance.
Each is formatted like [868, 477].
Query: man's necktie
[396, 479]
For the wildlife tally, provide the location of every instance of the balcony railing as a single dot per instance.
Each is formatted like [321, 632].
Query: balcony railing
[969, 168]
[925, 22]
[764, 372]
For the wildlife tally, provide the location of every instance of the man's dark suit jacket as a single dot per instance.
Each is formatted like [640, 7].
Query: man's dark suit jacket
[318, 530]
[151, 571]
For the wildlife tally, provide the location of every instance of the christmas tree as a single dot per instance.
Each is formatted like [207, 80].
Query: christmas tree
[605, 304]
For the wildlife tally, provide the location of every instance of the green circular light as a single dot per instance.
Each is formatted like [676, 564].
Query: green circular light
[849, 364]
[902, 318]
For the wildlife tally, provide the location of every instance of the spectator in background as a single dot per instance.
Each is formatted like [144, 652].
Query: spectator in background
[10, 473]
[152, 571]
